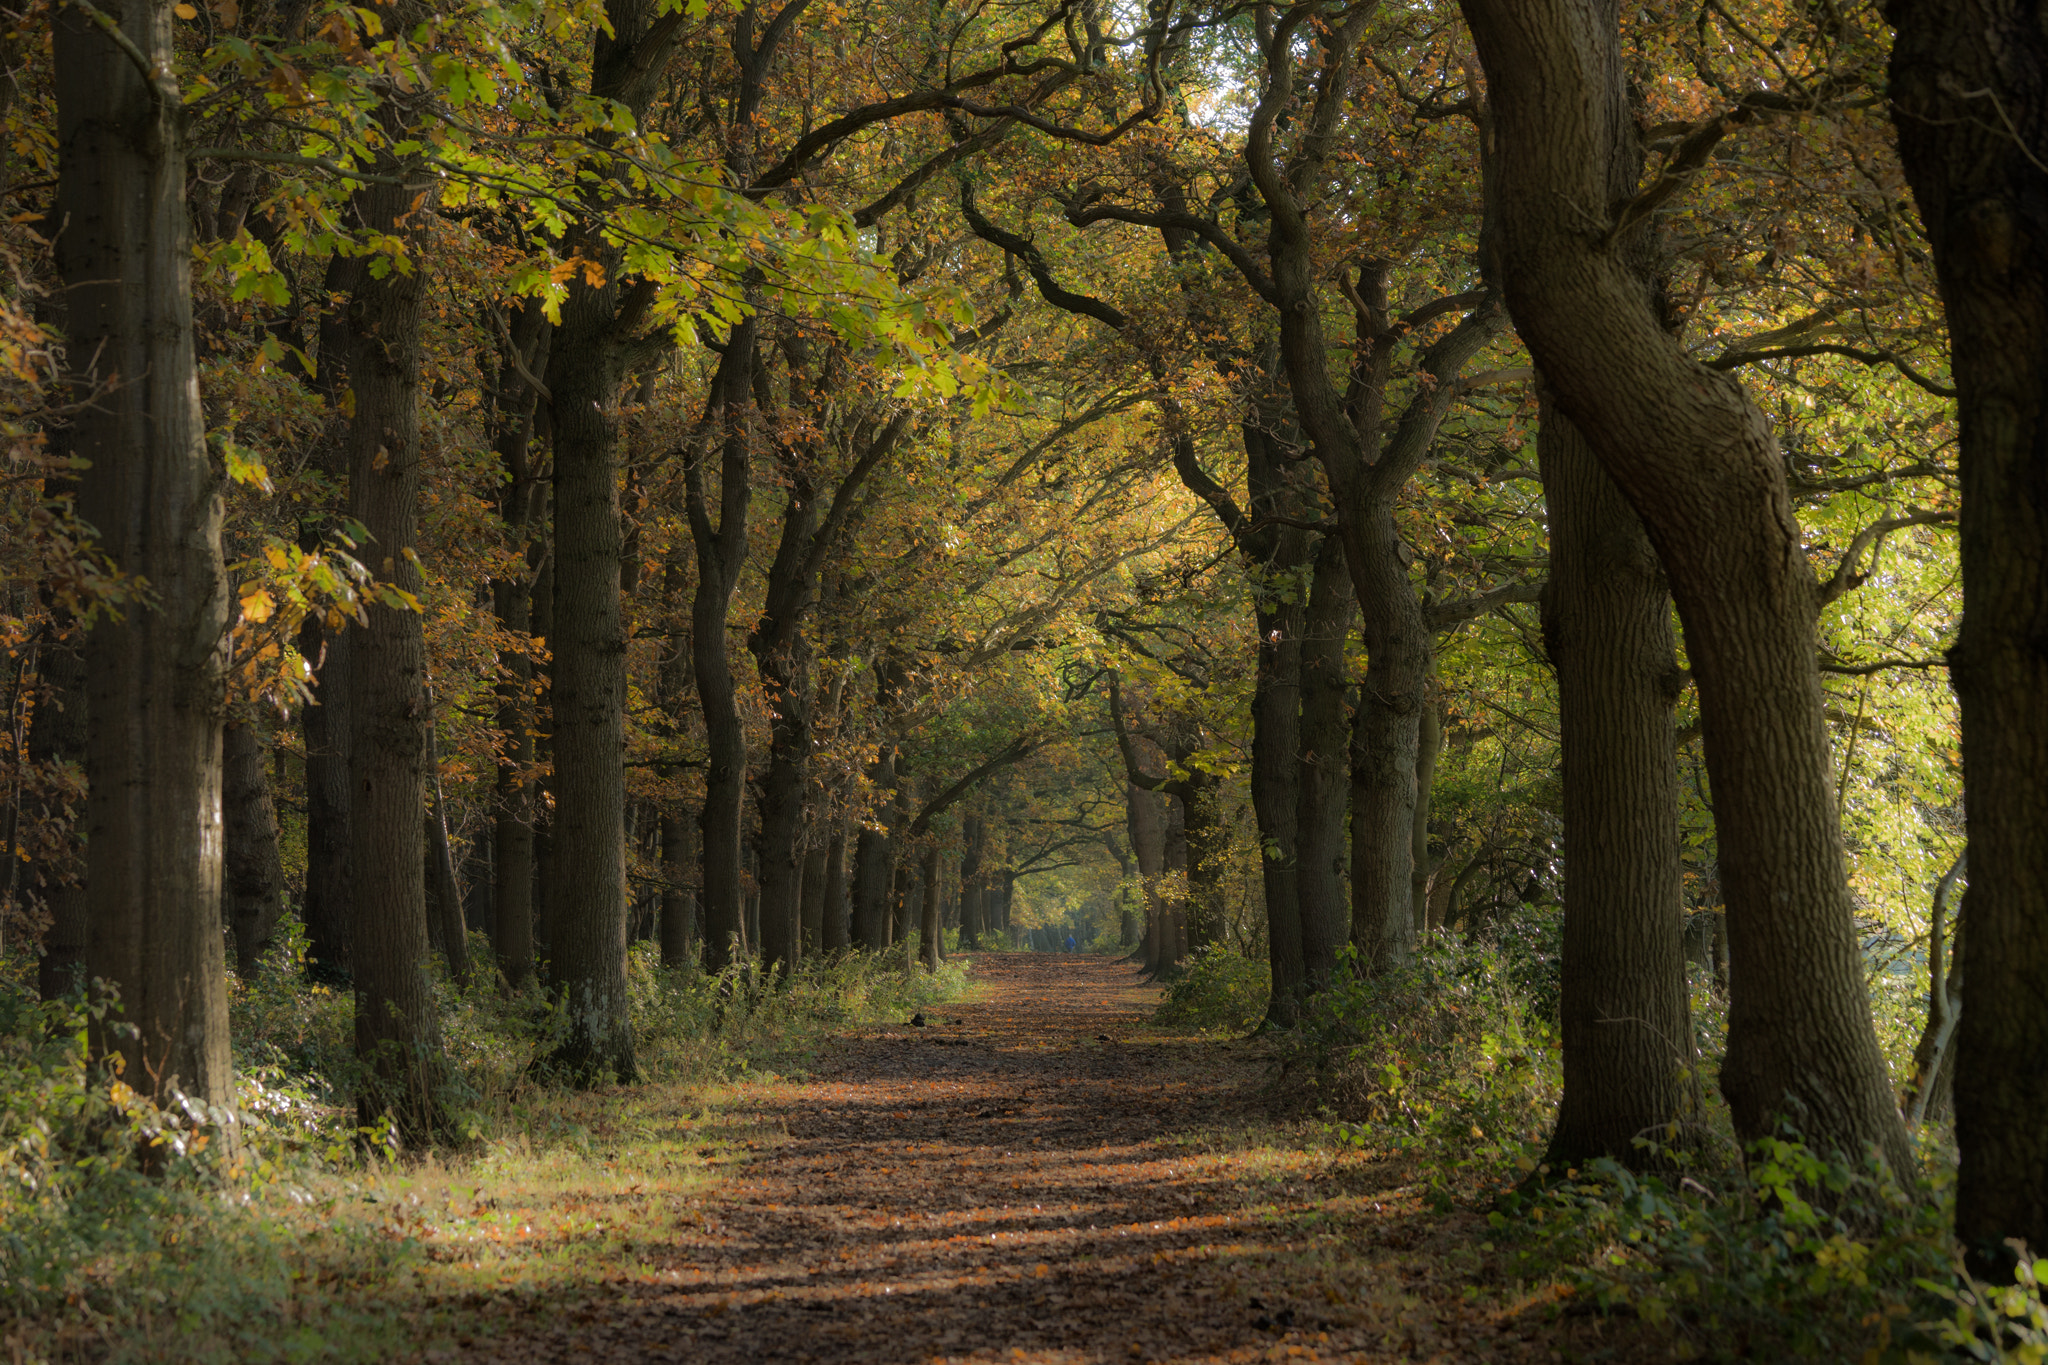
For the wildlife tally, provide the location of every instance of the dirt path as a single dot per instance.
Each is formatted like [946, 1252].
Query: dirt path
[1033, 1176]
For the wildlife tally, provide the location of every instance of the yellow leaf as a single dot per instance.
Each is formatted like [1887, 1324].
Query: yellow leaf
[185, 11]
[257, 604]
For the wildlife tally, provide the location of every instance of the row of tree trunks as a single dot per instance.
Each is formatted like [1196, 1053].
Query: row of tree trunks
[1698, 463]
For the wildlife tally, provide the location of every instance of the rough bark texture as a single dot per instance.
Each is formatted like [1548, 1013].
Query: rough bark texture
[1970, 100]
[1324, 769]
[153, 677]
[252, 878]
[1699, 464]
[721, 553]
[397, 1026]
[1607, 627]
[838, 929]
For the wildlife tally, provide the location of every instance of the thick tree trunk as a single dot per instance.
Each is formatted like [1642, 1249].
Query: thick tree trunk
[1324, 769]
[1277, 798]
[1698, 463]
[838, 931]
[397, 1030]
[252, 874]
[1971, 105]
[1385, 740]
[154, 676]
[538, 804]
[1607, 628]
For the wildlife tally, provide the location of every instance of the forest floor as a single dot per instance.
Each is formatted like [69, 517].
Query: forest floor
[1034, 1174]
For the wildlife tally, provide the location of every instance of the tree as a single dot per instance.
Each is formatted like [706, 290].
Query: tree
[1972, 119]
[154, 672]
[1698, 463]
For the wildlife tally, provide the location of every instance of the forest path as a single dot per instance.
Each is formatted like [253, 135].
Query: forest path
[1037, 1176]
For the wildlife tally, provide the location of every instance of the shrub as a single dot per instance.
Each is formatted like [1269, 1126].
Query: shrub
[1219, 990]
[1445, 1060]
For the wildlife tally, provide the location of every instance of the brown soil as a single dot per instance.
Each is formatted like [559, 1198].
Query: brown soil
[1036, 1176]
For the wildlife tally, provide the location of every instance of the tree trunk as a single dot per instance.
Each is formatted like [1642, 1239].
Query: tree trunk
[1607, 627]
[838, 927]
[1277, 800]
[812, 918]
[154, 676]
[874, 877]
[1322, 760]
[1980, 186]
[1148, 849]
[930, 933]
[252, 875]
[678, 903]
[397, 1030]
[1698, 463]
[721, 552]
[1385, 740]
[539, 794]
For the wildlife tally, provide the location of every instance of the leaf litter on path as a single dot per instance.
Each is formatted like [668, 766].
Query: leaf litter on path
[1036, 1175]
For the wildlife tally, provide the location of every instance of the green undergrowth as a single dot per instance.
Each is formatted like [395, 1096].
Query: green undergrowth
[128, 1234]
[1451, 1066]
[1218, 991]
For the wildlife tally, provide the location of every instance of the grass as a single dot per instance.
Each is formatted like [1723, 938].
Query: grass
[318, 1242]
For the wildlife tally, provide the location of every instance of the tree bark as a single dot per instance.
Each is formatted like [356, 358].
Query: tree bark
[1323, 764]
[154, 675]
[447, 889]
[1626, 1025]
[812, 917]
[930, 943]
[1971, 107]
[397, 1029]
[838, 934]
[721, 553]
[1698, 463]
[678, 903]
[252, 874]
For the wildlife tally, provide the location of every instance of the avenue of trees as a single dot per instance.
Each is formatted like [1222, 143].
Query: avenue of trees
[498, 483]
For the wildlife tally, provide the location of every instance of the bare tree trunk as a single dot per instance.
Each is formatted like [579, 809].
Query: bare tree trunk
[678, 902]
[1429, 747]
[1699, 464]
[1323, 764]
[1607, 627]
[252, 875]
[838, 927]
[154, 676]
[397, 1031]
[813, 911]
[1972, 116]
[721, 552]
[930, 940]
